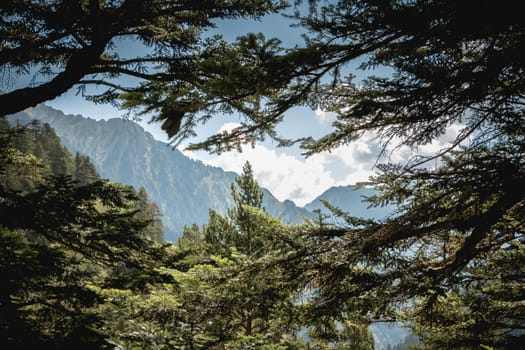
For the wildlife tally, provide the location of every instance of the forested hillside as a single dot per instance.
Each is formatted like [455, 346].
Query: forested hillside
[184, 189]
[63, 232]
[89, 135]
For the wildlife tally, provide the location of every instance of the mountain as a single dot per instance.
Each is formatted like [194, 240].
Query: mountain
[351, 199]
[391, 334]
[183, 188]
[122, 151]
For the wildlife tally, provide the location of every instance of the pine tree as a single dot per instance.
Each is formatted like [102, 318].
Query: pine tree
[245, 190]
[150, 213]
[57, 156]
[62, 45]
[451, 63]
[256, 302]
[84, 171]
[246, 193]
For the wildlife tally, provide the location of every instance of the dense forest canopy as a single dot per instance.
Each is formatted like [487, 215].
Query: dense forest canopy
[458, 217]
[450, 260]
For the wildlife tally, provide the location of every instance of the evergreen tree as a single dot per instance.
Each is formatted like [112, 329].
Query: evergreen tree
[256, 304]
[62, 244]
[24, 164]
[57, 156]
[451, 63]
[84, 171]
[326, 333]
[246, 194]
[64, 45]
[485, 311]
[149, 212]
[248, 257]
[62, 237]
[245, 190]
[219, 233]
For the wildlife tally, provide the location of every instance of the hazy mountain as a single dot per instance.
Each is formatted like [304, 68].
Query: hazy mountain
[391, 334]
[183, 188]
[352, 200]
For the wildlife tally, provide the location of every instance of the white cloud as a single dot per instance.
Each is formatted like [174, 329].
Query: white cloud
[302, 180]
[187, 153]
[324, 117]
[355, 161]
[445, 141]
[227, 127]
[286, 176]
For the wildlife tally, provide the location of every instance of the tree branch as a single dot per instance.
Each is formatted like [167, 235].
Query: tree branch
[78, 66]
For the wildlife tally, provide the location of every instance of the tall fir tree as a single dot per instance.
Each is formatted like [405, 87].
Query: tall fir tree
[151, 213]
[246, 194]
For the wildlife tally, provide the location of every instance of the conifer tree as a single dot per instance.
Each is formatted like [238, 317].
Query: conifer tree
[149, 212]
[246, 193]
[245, 190]
[84, 171]
[452, 64]
[256, 302]
[58, 45]
[62, 244]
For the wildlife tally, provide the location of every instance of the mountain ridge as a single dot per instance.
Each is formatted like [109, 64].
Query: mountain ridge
[184, 188]
[351, 199]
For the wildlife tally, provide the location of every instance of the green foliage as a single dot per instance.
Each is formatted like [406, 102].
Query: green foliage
[483, 310]
[150, 213]
[123, 153]
[451, 63]
[246, 191]
[62, 243]
[63, 45]
[261, 306]
[35, 153]
[254, 304]
[326, 333]
[84, 171]
[80, 272]
[449, 259]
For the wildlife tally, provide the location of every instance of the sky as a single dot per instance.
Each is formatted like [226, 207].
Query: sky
[284, 171]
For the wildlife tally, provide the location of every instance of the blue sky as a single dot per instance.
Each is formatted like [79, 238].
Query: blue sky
[285, 172]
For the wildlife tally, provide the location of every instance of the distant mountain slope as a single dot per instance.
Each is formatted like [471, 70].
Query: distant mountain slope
[352, 200]
[183, 188]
